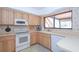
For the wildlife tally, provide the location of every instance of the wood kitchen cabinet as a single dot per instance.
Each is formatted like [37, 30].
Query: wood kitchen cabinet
[0, 15]
[7, 43]
[21, 15]
[7, 16]
[34, 20]
[18, 14]
[25, 16]
[45, 40]
[33, 38]
[41, 38]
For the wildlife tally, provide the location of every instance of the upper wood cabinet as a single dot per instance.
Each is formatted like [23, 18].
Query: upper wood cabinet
[21, 15]
[7, 16]
[25, 16]
[18, 15]
[0, 16]
[34, 20]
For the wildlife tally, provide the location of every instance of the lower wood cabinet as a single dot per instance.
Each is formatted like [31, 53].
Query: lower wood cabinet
[7, 43]
[44, 40]
[41, 38]
[33, 38]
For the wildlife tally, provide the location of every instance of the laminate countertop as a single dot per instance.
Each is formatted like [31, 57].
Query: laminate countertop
[69, 44]
[6, 34]
[64, 34]
[60, 33]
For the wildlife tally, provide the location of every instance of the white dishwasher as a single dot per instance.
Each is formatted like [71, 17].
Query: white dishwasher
[54, 40]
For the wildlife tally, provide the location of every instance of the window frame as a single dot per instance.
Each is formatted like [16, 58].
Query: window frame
[59, 21]
[48, 27]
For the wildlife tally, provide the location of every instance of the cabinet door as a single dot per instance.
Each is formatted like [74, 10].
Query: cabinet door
[7, 44]
[46, 42]
[0, 15]
[11, 16]
[18, 15]
[40, 38]
[1, 46]
[33, 38]
[44, 39]
[7, 16]
[25, 16]
[34, 20]
[37, 20]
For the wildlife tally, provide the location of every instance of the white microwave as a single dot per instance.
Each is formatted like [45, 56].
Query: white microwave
[21, 22]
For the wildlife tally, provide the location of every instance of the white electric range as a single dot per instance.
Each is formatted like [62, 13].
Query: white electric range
[22, 39]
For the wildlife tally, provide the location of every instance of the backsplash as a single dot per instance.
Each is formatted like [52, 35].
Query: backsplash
[13, 28]
[2, 28]
[62, 30]
[33, 27]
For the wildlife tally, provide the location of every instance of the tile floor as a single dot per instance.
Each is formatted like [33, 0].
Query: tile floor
[35, 48]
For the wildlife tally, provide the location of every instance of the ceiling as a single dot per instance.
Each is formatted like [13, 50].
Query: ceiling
[37, 10]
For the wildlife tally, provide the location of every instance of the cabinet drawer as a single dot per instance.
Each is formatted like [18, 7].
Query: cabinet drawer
[10, 37]
[44, 35]
[45, 38]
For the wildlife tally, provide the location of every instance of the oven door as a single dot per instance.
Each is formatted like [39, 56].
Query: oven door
[22, 39]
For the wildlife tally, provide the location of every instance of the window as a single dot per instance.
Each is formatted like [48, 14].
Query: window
[57, 23]
[61, 20]
[65, 23]
[49, 22]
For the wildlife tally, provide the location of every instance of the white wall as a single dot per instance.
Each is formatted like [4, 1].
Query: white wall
[76, 18]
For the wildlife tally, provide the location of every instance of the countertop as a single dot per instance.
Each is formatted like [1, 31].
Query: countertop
[52, 33]
[6, 34]
[64, 34]
[69, 44]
